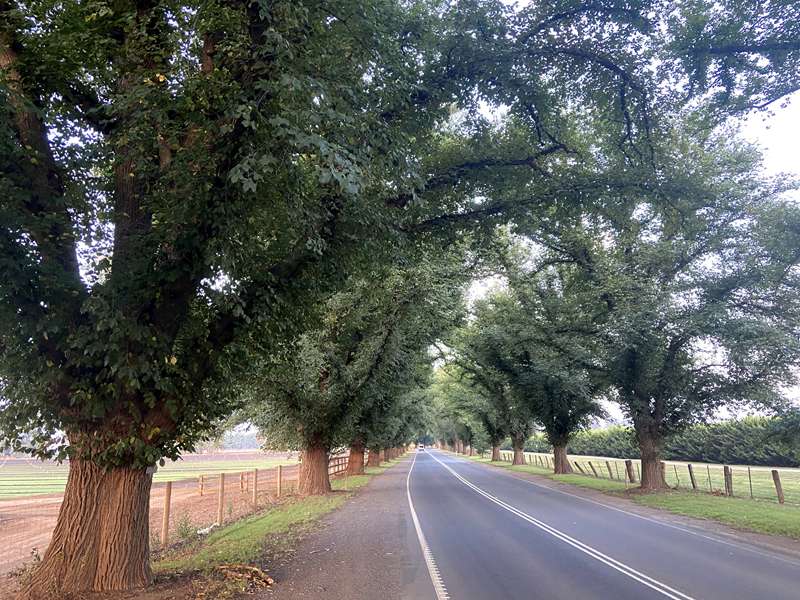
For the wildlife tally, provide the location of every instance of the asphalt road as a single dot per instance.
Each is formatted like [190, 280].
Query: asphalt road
[484, 534]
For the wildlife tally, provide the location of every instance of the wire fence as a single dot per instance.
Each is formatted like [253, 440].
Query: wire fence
[739, 481]
[180, 510]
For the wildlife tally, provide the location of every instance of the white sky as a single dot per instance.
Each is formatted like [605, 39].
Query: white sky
[779, 136]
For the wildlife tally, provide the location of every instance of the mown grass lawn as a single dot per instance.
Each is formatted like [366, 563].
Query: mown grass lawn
[20, 478]
[751, 515]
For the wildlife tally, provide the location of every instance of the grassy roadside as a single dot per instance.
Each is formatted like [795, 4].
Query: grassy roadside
[243, 542]
[745, 514]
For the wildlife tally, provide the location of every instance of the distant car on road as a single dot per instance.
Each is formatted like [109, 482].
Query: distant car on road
[421, 448]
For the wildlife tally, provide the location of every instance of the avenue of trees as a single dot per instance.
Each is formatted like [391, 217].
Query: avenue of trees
[673, 308]
[269, 211]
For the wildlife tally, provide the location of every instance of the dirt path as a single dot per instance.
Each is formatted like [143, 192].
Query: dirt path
[366, 549]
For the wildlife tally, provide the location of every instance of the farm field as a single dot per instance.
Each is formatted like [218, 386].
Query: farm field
[23, 477]
[709, 477]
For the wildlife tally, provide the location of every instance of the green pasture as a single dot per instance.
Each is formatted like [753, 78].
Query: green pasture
[709, 477]
[21, 478]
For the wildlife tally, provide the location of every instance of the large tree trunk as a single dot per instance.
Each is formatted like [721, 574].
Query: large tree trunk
[374, 459]
[355, 463]
[101, 538]
[519, 450]
[561, 464]
[652, 474]
[495, 453]
[382, 455]
[314, 478]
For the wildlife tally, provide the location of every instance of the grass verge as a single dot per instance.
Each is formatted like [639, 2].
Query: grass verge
[745, 514]
[243, 542]
[750, 515]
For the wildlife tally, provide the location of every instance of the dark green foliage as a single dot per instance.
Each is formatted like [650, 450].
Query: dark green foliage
[357, 373]
[748, 441]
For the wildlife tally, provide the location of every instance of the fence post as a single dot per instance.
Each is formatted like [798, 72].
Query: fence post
[580, 468]
[608, 466]
[710, 487]
[221, 498]
[165, 518]
[255, 487]
[616, 468]
[629, 469]
[201, 483]
[591, 466]
[677, 478]
[750, 479]
[726, 470]
[691, 476]
[280, 480]
[776, 477]
[241, 482]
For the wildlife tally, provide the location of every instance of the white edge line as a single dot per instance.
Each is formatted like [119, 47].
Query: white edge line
[621, 567]
[741, 546]
[430, 561]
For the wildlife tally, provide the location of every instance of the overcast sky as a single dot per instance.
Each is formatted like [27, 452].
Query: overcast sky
[779, 137]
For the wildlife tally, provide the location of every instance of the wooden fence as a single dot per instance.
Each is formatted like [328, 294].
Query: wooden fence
[237, 494]
[726, 480]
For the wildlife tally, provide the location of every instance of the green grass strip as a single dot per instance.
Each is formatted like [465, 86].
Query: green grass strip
[243, 542]
[759, 516]
[742, 513]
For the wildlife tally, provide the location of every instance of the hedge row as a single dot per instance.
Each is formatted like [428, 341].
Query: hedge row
[748, 441]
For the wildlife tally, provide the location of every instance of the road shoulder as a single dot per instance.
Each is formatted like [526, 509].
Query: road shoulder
[366, 549]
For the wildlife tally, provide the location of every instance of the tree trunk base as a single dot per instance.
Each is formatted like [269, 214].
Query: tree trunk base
[314, 478]
[652, 467]
[519, 456]
[495, 453]
[355, 462]
[101, 539]
[561, 464]
[374, 458]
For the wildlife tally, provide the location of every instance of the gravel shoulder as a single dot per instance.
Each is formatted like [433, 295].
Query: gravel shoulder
[366, 549]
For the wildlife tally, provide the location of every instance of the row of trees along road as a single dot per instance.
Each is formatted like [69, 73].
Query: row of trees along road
[190, 190]
[350, 382]
[673, 307]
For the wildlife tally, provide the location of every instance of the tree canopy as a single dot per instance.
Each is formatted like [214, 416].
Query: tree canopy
[191, 189]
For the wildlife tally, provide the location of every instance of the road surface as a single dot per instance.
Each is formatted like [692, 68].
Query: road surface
[485, 534]
[439, 526]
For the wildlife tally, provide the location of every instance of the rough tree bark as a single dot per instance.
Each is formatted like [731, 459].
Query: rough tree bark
[495, 453]
[355, 464]
[561, 464]
[101, 538]
[314, 478]
[650, 446]
[518, 442]
[374, 458]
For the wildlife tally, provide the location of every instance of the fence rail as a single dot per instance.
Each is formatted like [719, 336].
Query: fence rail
[179, 510]
[738, 481]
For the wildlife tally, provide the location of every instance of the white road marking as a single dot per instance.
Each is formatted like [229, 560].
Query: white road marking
[621, 567]
[739, 546]
[430, 561]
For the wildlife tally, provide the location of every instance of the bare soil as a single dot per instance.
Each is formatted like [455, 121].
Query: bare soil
[27, 523]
